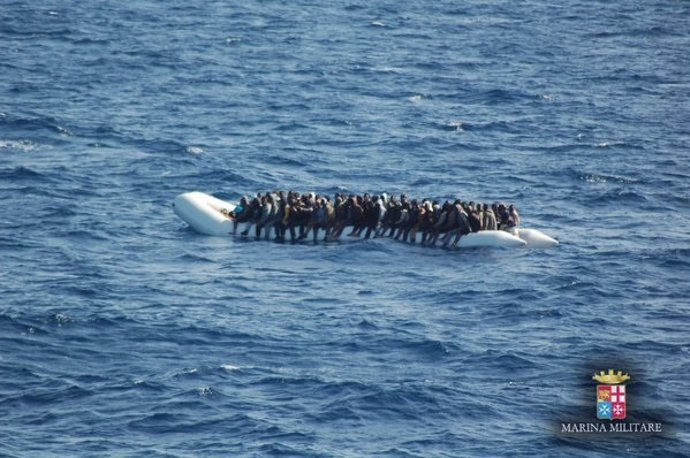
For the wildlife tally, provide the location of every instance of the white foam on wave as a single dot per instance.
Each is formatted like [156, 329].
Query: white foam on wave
[457, 125]
[386, 69]
[194, 150]
[183, 372]
[63, 131]
[205, 391]
[61, 319]
[22, 145]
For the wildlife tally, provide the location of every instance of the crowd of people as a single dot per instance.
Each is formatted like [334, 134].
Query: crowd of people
[299, 215]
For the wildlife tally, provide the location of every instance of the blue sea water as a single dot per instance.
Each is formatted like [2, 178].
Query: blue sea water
[125, 333]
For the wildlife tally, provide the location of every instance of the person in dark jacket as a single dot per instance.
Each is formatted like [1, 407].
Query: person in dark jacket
[474, 219]
[255, 214]
[505, 221]
[371, 215]
[464, 226]
[240, 214]
[357, 216]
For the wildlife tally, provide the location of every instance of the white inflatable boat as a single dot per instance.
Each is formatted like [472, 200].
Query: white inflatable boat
[208, 215]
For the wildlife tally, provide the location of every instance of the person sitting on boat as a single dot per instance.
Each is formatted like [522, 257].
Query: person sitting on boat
[319, 217]
[419, 218]
[474, 219]
[489, 220]
[330, 218]
[371, 215]
[305, 214]
[457, 217]
[394, 212]
[464, 225]
[341, 211]
[404, 217]
[512, 211]
[382, 203]
[505, 221]
[480, 212]
[431, 216]
[293, 215]
[357, 208]
[386, 217]
[274, 217]
[267, 213]
[445, 222]
[278, 224]
[364, 202]
[241, 214]
[255, 212]
[412, 219]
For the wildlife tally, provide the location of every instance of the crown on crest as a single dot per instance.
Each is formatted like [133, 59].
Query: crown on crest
[612, 377]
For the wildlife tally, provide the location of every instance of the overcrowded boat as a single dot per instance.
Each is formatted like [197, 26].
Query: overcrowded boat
[293, 216]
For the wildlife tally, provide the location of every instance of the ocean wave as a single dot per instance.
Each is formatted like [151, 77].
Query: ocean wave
[194, 258]
[605, 178]
[18, 145]
[32, 124]
[22, 173]
[620, 196]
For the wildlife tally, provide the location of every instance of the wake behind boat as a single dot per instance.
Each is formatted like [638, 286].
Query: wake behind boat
[212, 216]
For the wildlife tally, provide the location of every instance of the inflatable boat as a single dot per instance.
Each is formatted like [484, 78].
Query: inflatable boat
[208, 215]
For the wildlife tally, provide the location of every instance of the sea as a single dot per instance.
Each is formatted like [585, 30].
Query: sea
[125, 333]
